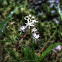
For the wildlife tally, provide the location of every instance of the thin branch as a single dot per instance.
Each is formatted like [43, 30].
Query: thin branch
[47, 43]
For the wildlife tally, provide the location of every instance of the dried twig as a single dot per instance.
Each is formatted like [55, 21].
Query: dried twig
[23, 37]
[46, 43]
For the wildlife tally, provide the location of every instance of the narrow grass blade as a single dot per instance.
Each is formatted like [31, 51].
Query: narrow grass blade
[48, 50]
[28, 54]
[12, 53]
[3, 41]
[3, 25]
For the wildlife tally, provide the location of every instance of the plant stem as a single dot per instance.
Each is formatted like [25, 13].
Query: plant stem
[32, 42]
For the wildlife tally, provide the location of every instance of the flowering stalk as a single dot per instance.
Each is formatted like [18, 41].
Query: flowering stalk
[31, 21]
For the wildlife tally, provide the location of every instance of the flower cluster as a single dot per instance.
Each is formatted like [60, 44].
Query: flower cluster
[31, 21]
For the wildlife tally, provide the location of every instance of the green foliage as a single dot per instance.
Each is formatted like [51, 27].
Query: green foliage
[28, 53]
[13, 41]
[29, 56]
[3, 25]
[1, 1]
[11, 52]
[48, 50]
[3, 41]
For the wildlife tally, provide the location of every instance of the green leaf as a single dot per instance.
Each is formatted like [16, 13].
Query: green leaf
[48, 50]
[3, 41]
[28, 54]
[12, 53]
[4, 23]
[25, 53]
[36, 58]
[1, 2]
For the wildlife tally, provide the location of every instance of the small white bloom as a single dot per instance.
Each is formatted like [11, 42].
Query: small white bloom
[33, 17]
[22, 9]
[36, 36]
[29, 15]
[11, 12]
[26, 18]
[58, 47]
[34, 30]
[29, 24]
[22, 28]
[34, 21]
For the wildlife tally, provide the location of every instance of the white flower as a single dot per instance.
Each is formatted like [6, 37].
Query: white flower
[28, 24]
[22, 28]
[33, 17]
[34, 30]
[22, 9]
[30, 15]
[58, 47]
[36, 36]
[11, 12]
[34, 21]
[26, 18]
